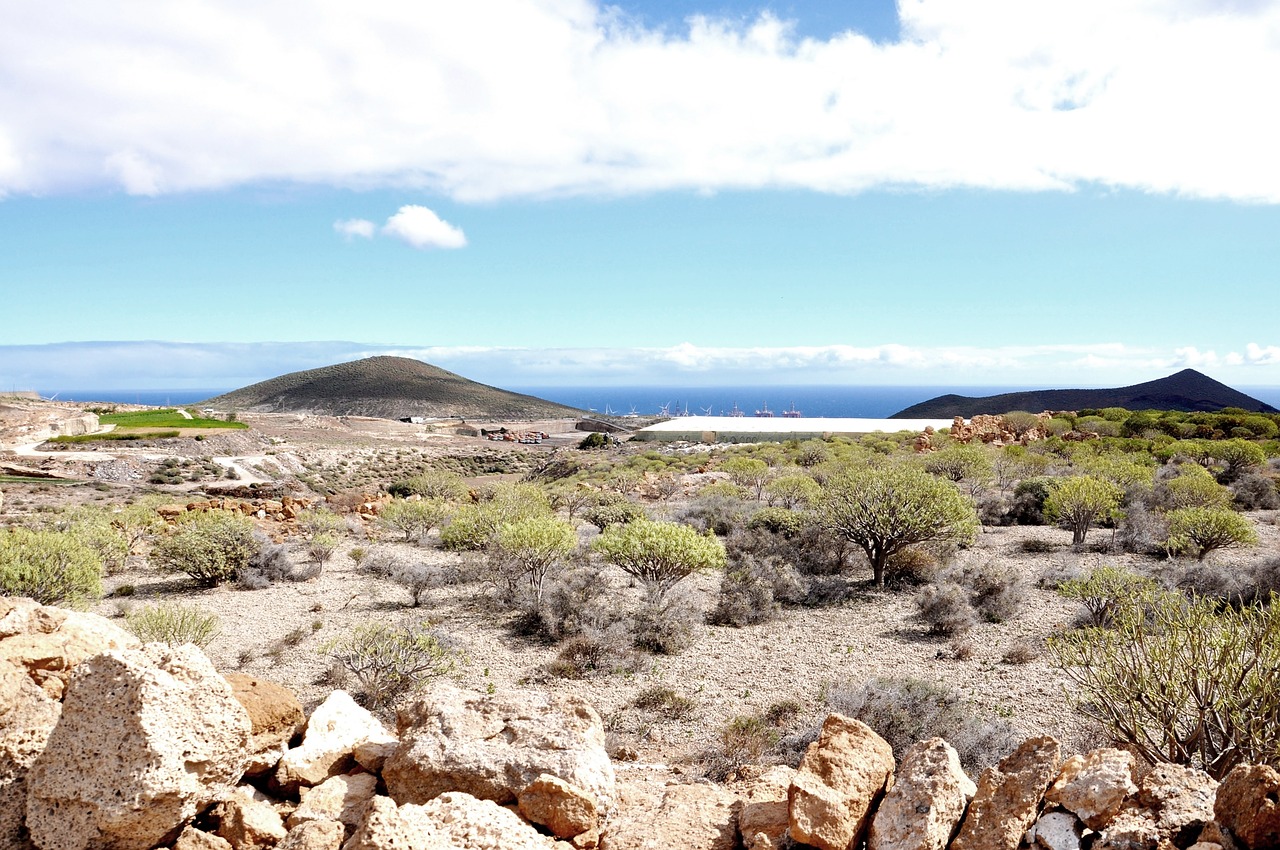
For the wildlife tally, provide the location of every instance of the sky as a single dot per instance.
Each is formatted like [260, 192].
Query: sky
[1061, 193]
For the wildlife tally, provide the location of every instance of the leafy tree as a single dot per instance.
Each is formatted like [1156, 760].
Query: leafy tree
[660, 554]
[748, 473]
[811, 453]
[1106, 587]
[1200, 530]
[414, 518]
[1237, 456]
[1181, 681]
[1076, 503]
[795, 490]
[886, 509]
[49, 567]
[1194, 488]
[210, 546]
[529, 547]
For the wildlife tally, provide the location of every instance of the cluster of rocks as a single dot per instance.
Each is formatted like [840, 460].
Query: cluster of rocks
[986, 428]
[284, 509]
[108, 744]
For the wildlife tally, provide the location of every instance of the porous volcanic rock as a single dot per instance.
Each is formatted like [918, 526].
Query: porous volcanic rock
[1094, 785]
[563, 808]
[839, 781]
[1248, 804]
[492, 747]
[1009, 796]
[339, 798]
[48, 642]
[763, 817]
[148, 737]
[275, 715]
[691, 817]
[314, 835]
[927, 800]
[449, 822]
[336, 727]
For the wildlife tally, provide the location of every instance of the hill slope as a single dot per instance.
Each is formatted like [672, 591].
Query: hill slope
[389, 388]
[1187, 390]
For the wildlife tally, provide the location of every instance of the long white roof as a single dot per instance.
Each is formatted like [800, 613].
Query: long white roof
[802, 425]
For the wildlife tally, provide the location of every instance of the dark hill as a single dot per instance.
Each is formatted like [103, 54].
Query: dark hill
[389, 388]
[1187, 390]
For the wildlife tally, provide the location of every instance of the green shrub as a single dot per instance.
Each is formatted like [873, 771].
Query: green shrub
[659, 554]
[747, 737]
[386, 662]
[212, 547]
[1199, 531]
[665, 702]
[613, 513]
[174, 624]
[473, 526]
[414, 518]
[782, 521]
[433, 484]
[49, 567]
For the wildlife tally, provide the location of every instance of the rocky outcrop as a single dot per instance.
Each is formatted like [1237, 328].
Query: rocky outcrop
[1008, 797]
[47, 642]
[692, 817]
[147, 739]
[275, 716]
[764, 816]
[493, 747]
[339, 798]
[1248, 804]
[563, 808]
[334, 731]
[923, 808]
[839, 781]
[1094, 786]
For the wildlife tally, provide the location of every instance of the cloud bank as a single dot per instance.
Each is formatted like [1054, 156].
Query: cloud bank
[178, 365]
[513, 98]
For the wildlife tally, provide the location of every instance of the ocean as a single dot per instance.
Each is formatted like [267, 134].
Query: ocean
[832, 401]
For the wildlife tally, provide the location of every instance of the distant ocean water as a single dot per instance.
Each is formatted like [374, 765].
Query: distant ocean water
[827, 401]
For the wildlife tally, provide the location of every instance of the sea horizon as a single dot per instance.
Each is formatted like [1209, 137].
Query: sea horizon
[834, 401]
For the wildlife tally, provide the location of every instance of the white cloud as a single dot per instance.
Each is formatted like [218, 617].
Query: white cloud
[175, 365]
[355, 227]
[568, 97]
[422, 228]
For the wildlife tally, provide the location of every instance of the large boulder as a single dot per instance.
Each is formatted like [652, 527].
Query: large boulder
[335, 729]
[928, 798]
[763, 817]
[691, 817]
[47, 642]
[839, 781]
[1094, 785]
[1009, 796]
[452, 821]
[147, 739]
[1248, 804]
[275, 715]
[493, 747]
[563, 808]
[27, 718]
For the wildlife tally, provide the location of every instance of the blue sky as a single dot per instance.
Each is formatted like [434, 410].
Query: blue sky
[984, 192]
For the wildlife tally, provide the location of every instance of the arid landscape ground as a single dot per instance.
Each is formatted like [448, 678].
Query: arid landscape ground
[279, 632]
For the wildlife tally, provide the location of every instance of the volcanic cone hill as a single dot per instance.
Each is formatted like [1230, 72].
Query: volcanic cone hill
[388, 388]
[1188, 391]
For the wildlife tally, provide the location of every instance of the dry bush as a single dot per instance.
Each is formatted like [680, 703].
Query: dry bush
[1022, 652]
[419, 579]
[911, 567]
[574, 602]
[174, 624]
[1254, 491]
[904, 711]
[664, 626]
[753, 591]
[945, 608]
[592, 653]
[664, 702]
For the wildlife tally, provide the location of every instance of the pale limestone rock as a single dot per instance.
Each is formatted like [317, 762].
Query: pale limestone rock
[763, 818]
[1008, 797]
[492, 747]
[839, 781]
[560, 806]
[314, 835]
[1132, 829]
[195, 839]
[1248, 804]
[48, 642]
[451, 821]
[928, 798]
[27, 718]
[339, 798]
[1094, 785]
[1055, 831]
[148, 737]
[691, 817]
[274, 714]
[1179, 798]
[334, 730]
[372, 754]
[249, 823]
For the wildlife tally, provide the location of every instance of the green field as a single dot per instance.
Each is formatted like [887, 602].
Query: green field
[118, 436]
[165, 418]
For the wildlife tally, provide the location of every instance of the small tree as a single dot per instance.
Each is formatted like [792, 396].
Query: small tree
[531, 546]
[660, 554]
[212, 546]
[51, 568]
[433, 484]
[1199, 531]
[1078, 502]
[414, 518]
[389, 661]
[473, 527]
[793, 491]
[885, 509]
[1236, 456]
[749, 473]
[1180, 681]
[959, 462]
[1194, 488]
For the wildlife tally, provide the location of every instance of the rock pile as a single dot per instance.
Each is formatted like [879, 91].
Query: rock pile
[105, 744]
[282, 510]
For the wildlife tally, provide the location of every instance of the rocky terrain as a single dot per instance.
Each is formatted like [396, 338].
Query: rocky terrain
[108, 744]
